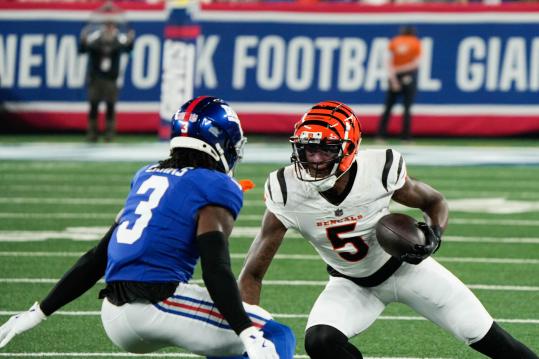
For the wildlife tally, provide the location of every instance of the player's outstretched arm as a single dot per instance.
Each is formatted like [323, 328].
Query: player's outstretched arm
[81, 277]
[259, 257]
[75, 282]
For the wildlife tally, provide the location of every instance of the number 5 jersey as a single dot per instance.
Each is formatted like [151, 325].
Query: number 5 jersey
[342, 233]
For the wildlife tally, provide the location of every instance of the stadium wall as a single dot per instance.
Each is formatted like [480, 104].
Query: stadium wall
[479, 74]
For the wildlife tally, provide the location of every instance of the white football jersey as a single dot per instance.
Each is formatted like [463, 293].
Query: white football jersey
[344, 234]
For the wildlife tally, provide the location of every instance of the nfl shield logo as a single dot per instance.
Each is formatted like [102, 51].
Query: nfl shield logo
[338, 212]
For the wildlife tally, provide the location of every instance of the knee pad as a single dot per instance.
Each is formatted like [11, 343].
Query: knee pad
[280, 335]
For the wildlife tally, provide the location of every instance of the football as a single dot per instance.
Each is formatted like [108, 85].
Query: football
[398, 234]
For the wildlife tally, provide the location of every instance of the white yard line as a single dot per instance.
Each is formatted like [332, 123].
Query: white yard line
[91, 355]
[270, 153]
[95, 313]
[487, 260]
[95, 233]
[153, 355]
[120, 178]
[506, 240]
[121, 186]
[253, 231]
[62, 200]
[74, 313]
[12, 215]
[74, 188]
[467, 221]
[22, 178]
[494, 222]
[127, 169]
[258, 218]
[291, 283]
[307, 257]
[493, 205]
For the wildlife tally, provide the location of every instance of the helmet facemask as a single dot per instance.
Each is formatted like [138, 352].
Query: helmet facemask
[233, 154]
[315, 160]
[325, 143]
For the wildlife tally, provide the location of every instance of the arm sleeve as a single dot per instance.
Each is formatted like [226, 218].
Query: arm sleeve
[81, 277]
[220, 281]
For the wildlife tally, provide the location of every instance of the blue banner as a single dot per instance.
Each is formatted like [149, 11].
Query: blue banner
[462, 63]
[39, 59]
[479, 72]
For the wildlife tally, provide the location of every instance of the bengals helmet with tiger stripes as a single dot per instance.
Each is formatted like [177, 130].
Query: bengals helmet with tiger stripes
[331, 127]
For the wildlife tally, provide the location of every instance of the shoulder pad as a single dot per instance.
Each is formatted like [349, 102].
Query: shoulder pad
[275, 187]
[394, 169]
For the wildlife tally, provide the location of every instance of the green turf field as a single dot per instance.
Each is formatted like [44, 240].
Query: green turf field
[59, 203]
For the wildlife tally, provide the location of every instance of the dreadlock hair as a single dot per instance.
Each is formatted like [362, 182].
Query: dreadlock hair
[181, 157]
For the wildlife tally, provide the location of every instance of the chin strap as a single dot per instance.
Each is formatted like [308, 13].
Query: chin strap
[323, 184]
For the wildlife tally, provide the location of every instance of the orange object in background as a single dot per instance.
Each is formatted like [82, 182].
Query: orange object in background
[246, 185]
[405, 49]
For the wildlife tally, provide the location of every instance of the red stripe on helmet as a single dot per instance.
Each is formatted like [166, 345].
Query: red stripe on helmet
[190, 109]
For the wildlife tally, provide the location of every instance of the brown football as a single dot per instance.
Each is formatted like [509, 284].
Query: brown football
[398, 234]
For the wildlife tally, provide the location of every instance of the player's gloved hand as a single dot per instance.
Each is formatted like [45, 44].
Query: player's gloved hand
[433, 240]
[20, 323]
[256, 346]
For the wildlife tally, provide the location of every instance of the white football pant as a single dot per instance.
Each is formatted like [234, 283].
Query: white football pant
[428, 288]
[188, 320]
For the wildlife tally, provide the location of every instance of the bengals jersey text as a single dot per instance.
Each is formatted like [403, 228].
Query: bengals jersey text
[342, 234]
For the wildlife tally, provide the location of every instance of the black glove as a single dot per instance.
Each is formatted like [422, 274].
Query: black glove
[433, 240]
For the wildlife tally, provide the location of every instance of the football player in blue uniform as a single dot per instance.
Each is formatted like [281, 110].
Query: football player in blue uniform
[178, 210]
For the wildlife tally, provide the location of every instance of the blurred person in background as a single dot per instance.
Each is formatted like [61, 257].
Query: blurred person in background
[104, 43]
[405, 51]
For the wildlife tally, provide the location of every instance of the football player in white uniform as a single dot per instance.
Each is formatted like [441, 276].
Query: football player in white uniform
[334, 197]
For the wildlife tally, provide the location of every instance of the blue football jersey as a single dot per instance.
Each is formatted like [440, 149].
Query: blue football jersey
[155, 239]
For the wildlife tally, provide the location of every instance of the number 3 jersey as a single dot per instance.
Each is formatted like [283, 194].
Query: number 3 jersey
[343, 234]
[155, 239]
